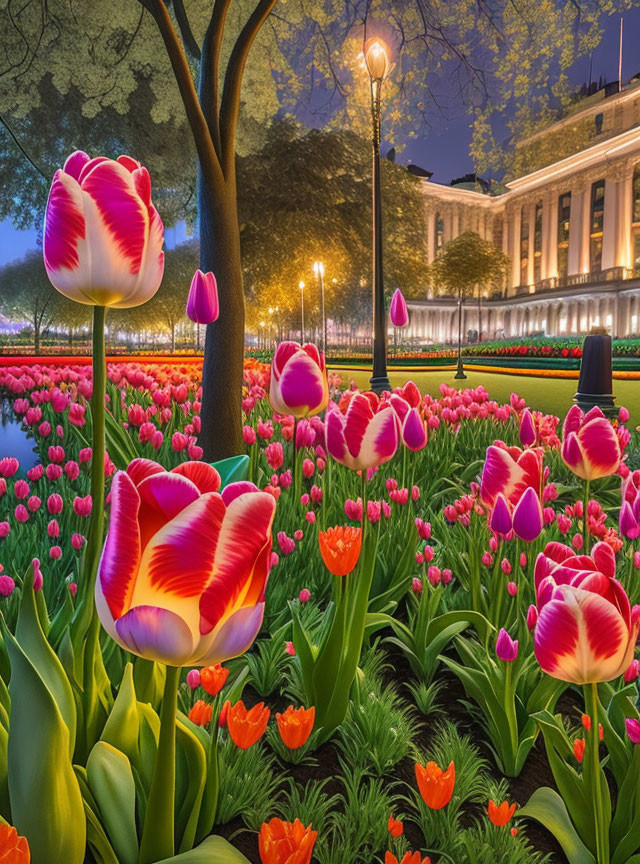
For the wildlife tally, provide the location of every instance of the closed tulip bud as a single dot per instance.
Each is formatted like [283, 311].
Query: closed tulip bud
[506, 647]
[305, 595]
[416, 585]
[395, 827]
[623, 414]
[5, 528]
[33, 503]
[291, 651]
[286, 479]
[55, 552]
[590, 446]
[298, 535]
[85, 454]
[447, 575]
[493, 544]
[632, 727]
[523, 559]
[434, 575]
[193, 679]
[487, 560]
[202, 302]
[21, 513]
[398, 312]
[72, 470]
[578, 749]
[577, 541]
[77, 541]
[7, 585]
[512, 588]
[428, 553]
[37, 575]
[83, 506]
[249, 435]
[310, 516]
[636, 560]
[21, 489]
[632, 672]
[53, 528]
[505, 566]
[527, 429]
[308, 468]
[53, 472]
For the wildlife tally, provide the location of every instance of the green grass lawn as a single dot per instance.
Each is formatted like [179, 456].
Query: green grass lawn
[551, 395]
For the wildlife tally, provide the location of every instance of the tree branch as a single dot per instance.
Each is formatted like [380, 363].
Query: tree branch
[230, 105]
[15, 140]
[186, 32]
[209, 70]
[209, 162]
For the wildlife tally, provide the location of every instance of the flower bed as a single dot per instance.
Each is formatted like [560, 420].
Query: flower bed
[415, 684]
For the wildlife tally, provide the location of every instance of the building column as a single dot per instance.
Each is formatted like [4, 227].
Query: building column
[531, 216]
[625, 205]
[574, 261]
[585, 243]
[515, 248]
[456, 224]
[551, 255]
[431, 236]
[609, 226]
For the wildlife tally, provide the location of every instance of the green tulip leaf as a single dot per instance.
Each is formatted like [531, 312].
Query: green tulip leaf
[46, 802]
[111, 783]
[232, 469]
[548, 808]
[123, 725]
[191, 775]
[213, 849]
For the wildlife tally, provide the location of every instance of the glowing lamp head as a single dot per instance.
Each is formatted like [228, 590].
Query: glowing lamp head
[318, 268]
[301, 285]
[376, 58]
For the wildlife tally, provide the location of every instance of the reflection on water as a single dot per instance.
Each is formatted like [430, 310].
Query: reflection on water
[13, 438]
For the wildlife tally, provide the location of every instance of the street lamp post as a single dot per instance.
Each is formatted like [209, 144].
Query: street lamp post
[377, 62]
[318, 269]
[301, 287]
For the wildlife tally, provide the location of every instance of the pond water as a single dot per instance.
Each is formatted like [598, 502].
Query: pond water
[13, 438]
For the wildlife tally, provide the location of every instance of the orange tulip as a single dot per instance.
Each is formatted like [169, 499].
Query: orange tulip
[286, 842]
[340, 548]
[200, 713]
[247, 727]
[295, 726]
[13, 848]
[578, 749]
[435, 785]
[409, 858]
[502, 814]
[213, 678]
[395, 826]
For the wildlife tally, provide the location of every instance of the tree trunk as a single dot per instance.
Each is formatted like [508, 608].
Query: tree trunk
[222, 367]
[36, 337]
[70, 339]
[173, 338]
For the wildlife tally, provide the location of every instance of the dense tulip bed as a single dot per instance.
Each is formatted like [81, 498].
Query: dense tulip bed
[486, 553]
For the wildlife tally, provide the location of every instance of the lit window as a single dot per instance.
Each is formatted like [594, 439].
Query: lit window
[564, 226]
[597, 221]
[537, 244]
[524, 247]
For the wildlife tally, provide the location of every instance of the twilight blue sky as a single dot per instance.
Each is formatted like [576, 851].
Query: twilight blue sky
[447, 153]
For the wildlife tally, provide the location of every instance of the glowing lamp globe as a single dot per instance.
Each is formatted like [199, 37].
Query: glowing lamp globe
[377, 59]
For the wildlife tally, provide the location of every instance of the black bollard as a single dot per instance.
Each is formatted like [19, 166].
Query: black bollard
[595, 386]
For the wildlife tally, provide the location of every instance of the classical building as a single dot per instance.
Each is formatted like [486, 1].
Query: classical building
[570, 224]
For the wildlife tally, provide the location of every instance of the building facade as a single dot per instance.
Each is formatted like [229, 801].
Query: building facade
[570, 226]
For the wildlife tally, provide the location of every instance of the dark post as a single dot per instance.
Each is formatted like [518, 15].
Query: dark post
[595, 386]
[376, 60]
[460, 368]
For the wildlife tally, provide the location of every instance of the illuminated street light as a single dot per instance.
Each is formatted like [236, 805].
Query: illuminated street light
[377, 62]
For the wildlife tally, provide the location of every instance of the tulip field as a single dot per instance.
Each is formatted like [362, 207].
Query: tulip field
[387, 629]
[396, 629]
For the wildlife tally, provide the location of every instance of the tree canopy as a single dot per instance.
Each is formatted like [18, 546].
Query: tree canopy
[468, 263]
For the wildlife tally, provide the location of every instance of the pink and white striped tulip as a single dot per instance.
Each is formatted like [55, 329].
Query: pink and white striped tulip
[509, 471]
[585, 630]
[361, 438]
[298, 382]
[590, 446]
[102, 236]
[202, 302]
[184, 569]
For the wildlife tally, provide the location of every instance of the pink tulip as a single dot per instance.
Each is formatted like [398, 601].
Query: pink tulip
[360, 438]
[632, 673]
[423, 528]
[298, 383]
[590, 446]
[7, 585]
[53, 528]
[179, 441]
[630, 509]
[55, 552]
[21, 489]
[5, 529]
[274, 455]
[506, 647]
[414, 431]
[249, 435]
[585, 629]
[287, 544]
[77, 541]
[44, 429]
[512, 589]
[33, 503]
[21, 513]
[103, 237]
[54, 504]
[202, 303]
[510, 470]
[632, 727]
[38, 581]
[76, 414]
[82, 506]
[398, 310]
[305, 595]
[193, 679]
[85, 454]
[34, 474]
[167, 523]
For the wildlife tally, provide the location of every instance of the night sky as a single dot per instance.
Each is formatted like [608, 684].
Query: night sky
[446, 153]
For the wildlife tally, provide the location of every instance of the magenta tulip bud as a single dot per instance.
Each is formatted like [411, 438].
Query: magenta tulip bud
[55, 552]
[7, 585]
[487, 560]
[398, 310]
[447, 575]
[305, 595]
[310, 516]
[73, 589]
[512, 588]
[291, 651]
[632, 672]
[500, 522]
[527, 516]
[37, 575]
[416, 586]
[527, 429]
[532, 617]
[505, 566]
[523, 559]
[202, 303]
[414, 431]
[423, 528]
[633, 730]
[193, 679]
[5, 528]
[506, 647]
[77, 541]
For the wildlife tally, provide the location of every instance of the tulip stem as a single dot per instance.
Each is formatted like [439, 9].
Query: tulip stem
[94, 541]
[158, 833]
[600, 819]
[585, 518]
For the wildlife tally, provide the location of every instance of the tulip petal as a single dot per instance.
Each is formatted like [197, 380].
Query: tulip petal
[303, 385]
[64, 227]
[414, 432]
[573, 421]
[381, 438]
[156, 634]
[359, 415]
[334, 437]
[201, 474]
[501, 473]
[600, 448]
[245, 534]
[122, 548]
[240, 487]
[604, 559]
[501, 517]
[233, 637]
[163, 496]
[572, 454]
[140, 468]
[629, 526]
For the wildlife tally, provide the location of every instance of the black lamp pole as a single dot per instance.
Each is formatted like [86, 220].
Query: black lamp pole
[376, 61]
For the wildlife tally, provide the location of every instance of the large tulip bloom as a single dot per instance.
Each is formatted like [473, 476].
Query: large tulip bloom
[298, 383]
[184, 569]
[361, 438]
[509, 471]
[630, 509]
[102, 235]
[585, 630]
[590, 446]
